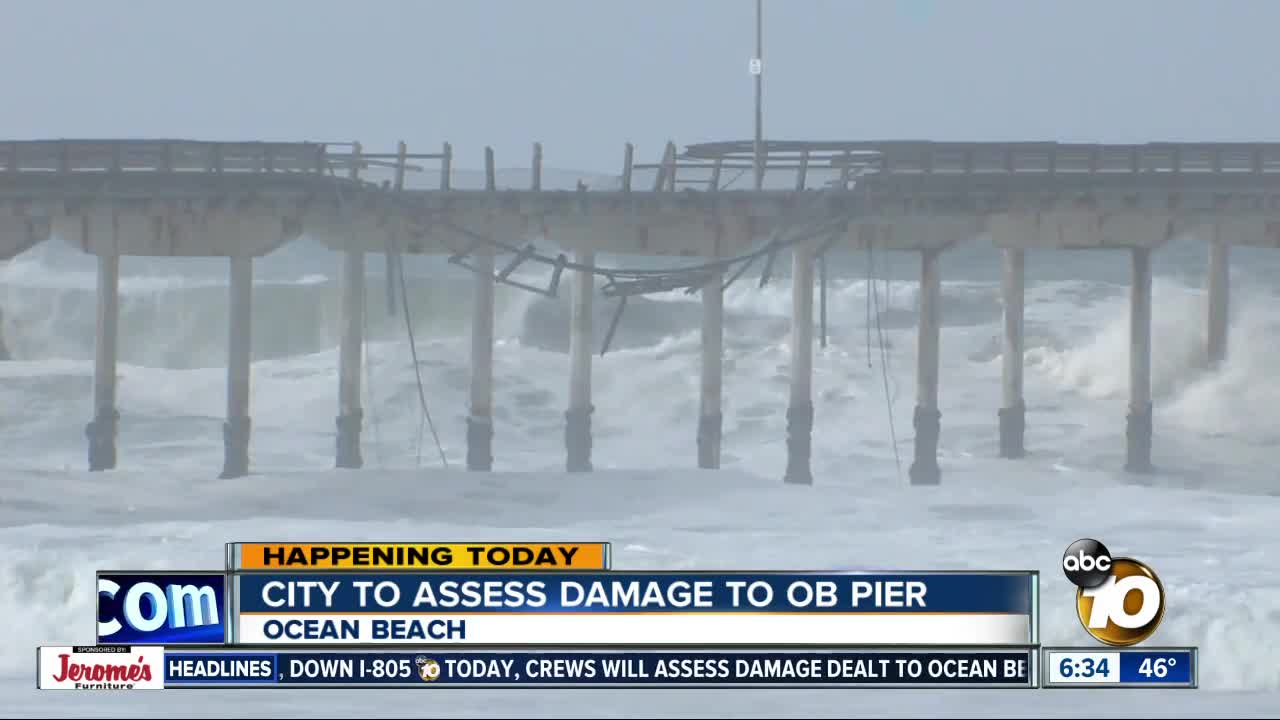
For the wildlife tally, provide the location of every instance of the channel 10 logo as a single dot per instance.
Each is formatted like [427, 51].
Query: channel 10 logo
[168, 608]
[1119, 600]
[428, 668]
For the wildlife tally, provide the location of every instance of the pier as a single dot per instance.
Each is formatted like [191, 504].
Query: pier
[180, 198]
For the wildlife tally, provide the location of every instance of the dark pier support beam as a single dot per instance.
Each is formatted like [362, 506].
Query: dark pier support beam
[1219, 300]
[350, 412]
[235, 432]
[800, 410]
[101, 431]
[480, 420]
[1013, 411]
[1138, 429]
[577, 431]
[927, 418]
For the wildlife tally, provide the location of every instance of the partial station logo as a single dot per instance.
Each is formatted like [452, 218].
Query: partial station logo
[1119, 600]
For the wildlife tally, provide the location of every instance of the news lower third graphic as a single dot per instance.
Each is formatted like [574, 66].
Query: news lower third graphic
[917, 667]
[1119, 600]
[619, 608]
[506, 615]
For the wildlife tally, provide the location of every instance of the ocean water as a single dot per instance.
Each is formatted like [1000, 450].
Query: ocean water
[1205, 520]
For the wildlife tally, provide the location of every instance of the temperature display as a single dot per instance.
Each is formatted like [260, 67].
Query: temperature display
[1162, 667]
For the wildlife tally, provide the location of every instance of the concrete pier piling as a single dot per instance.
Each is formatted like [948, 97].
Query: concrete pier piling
[351, 346]
[480, 420]
[350, 413]
[710, 403]
[1138, 430]
[800, 410]
[927, 418]
[1219, 300]
[236, 430]
[577, 431]
[1013, 410]
[101, 431]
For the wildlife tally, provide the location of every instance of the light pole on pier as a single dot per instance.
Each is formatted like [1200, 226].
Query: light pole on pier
[757, 69]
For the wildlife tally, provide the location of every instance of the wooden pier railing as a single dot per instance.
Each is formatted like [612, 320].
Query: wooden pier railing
[701, 167]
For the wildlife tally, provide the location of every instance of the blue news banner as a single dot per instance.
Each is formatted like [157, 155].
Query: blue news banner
[628, 668]
[628, 609]
[657, 591]
[1161, 668]
[1131, 667]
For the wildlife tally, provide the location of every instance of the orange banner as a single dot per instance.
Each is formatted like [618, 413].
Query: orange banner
[418, 556]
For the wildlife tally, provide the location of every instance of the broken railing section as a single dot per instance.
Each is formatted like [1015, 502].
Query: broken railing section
[673, 172]
[704, 167]
[386, 170]
[797, 232]
[627, 282]
[622, 284]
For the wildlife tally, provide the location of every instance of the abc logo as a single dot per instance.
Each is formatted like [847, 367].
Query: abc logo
[1087, 563]
[428, 669]
[1120, 601]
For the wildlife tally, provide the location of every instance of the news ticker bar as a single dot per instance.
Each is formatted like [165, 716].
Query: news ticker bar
[1134, 667]
[382, 557]
[539, 609]
[61, 668]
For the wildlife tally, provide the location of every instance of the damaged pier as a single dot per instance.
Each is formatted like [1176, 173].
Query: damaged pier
[243, 200]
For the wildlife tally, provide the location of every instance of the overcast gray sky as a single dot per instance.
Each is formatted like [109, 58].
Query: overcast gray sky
[585, 76]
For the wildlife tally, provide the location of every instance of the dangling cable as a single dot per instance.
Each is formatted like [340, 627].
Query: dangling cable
[413, 349]
[868, 304]
[888, 305]
[884, 374]
[888, 283]
[822, 296]
[417, 369]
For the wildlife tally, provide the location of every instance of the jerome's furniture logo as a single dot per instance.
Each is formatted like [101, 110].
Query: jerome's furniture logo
[100, 667]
